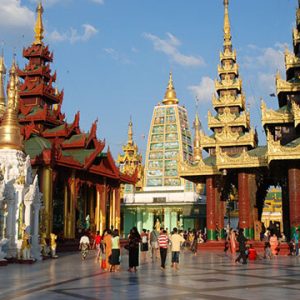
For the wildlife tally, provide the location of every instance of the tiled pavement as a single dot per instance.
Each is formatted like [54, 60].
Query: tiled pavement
[205, 276]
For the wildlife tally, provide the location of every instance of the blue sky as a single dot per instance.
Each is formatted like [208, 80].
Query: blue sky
[113, 56]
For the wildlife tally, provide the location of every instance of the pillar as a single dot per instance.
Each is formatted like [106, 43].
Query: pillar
[117, 209]
[139, 220]
[47, 199]
[66, 210]
[167, 219]
[173, 220]
[285, 208]
[211, 208]
[244, 203]
[91, 205]
[294, 195]
[101, 194]
[97, 210]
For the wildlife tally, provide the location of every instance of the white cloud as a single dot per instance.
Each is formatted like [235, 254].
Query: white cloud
[267, 82]
[15, 15]
[204, 90]
[270, 58]
[73, 36]
[98, 1]
[169, 46]
[115, 55]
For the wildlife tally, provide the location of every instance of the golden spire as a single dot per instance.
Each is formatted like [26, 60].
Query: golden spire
[170, 95]
[227, 31]
[10, 132]
[197, 146]
[130, 133]
[2, 93]
[39, 28]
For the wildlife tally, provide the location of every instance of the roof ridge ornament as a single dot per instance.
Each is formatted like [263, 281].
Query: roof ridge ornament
[39, 28]
[170, 95]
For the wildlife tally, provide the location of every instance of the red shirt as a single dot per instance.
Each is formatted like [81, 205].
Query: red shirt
[98, 239]
[163, 241]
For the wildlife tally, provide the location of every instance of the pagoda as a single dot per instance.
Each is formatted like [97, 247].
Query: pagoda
[165, 198]
[231, 136]
[20, 199]
[80, 181]
[283, 134]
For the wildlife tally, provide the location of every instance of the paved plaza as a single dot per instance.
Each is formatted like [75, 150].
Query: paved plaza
[205, 276]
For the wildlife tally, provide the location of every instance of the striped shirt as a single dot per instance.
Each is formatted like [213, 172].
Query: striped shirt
[163, 241]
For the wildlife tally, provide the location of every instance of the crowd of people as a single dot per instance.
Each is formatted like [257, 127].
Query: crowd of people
[159, 242]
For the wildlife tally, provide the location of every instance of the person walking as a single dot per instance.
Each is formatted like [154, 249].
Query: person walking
[242, 246]
[163, 242]
[84, 245]
[232, 237]
[115, 252]
[154, 243]
[144, 245]
[296, 240]
[134, 240]
[274, 244]
[176, 241]
[97, 245]
[107, 241]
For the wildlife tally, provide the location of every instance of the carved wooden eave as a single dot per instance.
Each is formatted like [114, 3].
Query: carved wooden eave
[270, 116]
[228, 69]
[200, 169]
[283, 86]
[244, 160]
[276, 151]
[291, 60]
[229, 100]
[229, 119]
[296, 36]
[296, 113]
[228, 55]
[229, 84]
[227, 138]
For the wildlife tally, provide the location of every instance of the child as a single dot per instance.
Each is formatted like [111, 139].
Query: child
[268, 253]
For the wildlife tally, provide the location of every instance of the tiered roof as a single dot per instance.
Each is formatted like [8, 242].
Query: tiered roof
[231, 123]
[48, 138]
[282, 125]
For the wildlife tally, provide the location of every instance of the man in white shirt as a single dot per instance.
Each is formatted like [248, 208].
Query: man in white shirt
[84, 246]
[176, 240]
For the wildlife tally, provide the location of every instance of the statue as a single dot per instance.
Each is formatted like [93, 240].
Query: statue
[25, 247]
[87, 222]
[53, 238]
[43, 244]
[157, 225]
[3, 253]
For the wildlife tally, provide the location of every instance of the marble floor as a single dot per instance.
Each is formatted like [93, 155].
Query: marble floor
[205, 276]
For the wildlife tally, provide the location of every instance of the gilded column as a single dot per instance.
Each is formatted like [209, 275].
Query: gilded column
[294, 195]
[117, 209]
[244, 203]
[101, 190]
[72, 216]
[47, 199]
[66, 211]
[211, 208]
[91, 206]
[97, 209]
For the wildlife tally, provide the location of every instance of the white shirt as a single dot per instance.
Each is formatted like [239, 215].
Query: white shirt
[84, 240]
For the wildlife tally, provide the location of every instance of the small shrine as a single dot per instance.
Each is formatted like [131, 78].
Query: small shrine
[20, 199]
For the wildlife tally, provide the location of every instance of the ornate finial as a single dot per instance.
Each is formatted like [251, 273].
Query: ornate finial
[130, 132]
[10, 132]
[2, 93]
[170, 95]
[39, 28]
[197, 142]
[227, 31]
